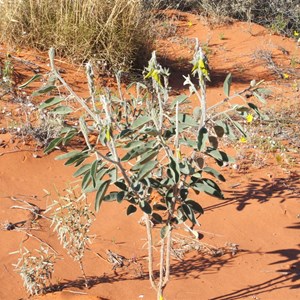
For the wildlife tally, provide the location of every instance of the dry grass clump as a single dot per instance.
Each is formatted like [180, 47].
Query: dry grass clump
[116, 32]
[281, 16]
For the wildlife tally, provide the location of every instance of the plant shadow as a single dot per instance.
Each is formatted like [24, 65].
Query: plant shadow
[262, 190]
[287, 277]
[191, 267]
[197, 265]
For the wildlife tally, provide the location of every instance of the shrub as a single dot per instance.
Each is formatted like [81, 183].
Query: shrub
[72, 219]
[115, 31]
[36, 269]
[282, 16]
[156, 150]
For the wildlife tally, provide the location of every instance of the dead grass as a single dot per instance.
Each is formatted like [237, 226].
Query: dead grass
[116, 33]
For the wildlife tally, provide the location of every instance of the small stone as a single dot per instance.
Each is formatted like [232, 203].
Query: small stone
[235, 166]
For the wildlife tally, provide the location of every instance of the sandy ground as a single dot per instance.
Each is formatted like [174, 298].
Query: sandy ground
[261, 212]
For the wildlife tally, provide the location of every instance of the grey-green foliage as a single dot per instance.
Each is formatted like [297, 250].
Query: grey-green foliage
[36, 269]
[154, 145]
[283, 16]
[71, 220]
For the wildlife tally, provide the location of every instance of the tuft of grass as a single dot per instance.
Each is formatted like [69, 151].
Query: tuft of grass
[114, 32]
[281, 17]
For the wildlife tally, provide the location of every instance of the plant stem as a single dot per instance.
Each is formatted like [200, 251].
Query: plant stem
[76, 97]
[168, 258]
[83, 273]
[150, 251]
[161, 269]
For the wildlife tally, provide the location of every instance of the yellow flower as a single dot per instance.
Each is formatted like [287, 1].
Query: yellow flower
[296, 33]
[249, 118]
[285, 76]
[178, 154]
[243, 139]
[190, 23]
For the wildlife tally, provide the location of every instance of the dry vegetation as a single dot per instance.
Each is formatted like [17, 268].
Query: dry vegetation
[115, 32]
[118, 35]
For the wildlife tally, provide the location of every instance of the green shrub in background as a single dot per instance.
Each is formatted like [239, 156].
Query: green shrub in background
[282, 16]
[115, 31]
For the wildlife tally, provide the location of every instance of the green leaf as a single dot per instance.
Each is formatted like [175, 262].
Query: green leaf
[146, 157]
[83, 128]
[183, 193]
[174, 170]
[134, 144]
[157, 218]
[120, 196]
[44, 90]
[54, 143]
[67, 155]
[255, 108]
[264, 91]
[50, 102]
[68, 137]
[209, 187]
[125, 133]
[188, 142]
[137, 151]
[113, 174]
[32, 79]
[149, 131]
[93, 172]
[187, 120]
[100, 194]
[242, 109]
[180, 215]
[62, 110]
[186, 168]
[239, 127]
[179, 99]
[121, 185]
[214, 173]
[169, 198]
[227, 84]
[86, 180]
[131, 209]
[145, 207]
[79, 157]
[189, 213]
[82, 170]
[202, 139]
[140, 121]
[259, 97]
[155, 183]
[219, 155]
[112, 196]
[146, 169]
[195, 206]
[158, 206]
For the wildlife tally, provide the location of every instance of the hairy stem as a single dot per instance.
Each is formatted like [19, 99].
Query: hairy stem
[150, 252]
